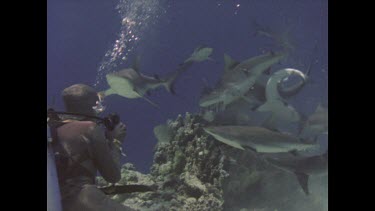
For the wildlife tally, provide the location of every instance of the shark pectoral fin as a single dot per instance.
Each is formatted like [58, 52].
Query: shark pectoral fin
[250, 148]
[152, 103]
[169, 85]
[148, 100]
[303, 180]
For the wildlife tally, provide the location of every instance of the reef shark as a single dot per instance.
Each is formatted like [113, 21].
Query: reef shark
[302, 167]
[255, 97]
[282, 39]
[238, 78]
[287, 92]
[315, 124]
[200, 54]
[281, 111]
[131, 83]
[258, 139]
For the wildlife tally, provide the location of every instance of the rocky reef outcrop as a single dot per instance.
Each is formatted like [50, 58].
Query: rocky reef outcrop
[193, 172]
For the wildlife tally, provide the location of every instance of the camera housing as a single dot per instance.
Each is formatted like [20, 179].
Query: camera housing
[111, 121]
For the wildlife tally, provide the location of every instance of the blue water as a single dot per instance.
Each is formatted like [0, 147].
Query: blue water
[81, 32]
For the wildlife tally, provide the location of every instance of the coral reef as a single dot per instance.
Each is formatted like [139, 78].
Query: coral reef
[193, 172]
[187, 171]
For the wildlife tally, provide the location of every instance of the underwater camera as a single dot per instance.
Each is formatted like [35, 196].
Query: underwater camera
[110, 121]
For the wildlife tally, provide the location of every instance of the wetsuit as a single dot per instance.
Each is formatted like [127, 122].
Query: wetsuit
[86, 150]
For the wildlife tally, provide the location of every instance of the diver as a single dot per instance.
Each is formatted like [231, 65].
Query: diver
[83, 148]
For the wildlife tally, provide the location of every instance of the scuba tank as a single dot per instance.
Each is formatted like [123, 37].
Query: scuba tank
[53, 190]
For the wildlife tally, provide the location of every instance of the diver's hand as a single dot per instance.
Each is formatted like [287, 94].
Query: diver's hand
[119, 132]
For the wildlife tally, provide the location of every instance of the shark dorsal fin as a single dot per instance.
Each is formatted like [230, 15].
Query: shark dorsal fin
[230, 63]
[136, 63]
[201, 46]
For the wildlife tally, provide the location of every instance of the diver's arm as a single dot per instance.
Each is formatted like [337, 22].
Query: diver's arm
[105, 155]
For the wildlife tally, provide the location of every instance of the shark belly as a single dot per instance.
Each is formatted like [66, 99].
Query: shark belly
[273, 148]
[123, 88]
[280, 145]
[225, 141]
[269, 149]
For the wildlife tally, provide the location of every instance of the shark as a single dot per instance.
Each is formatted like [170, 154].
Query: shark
[238, 78]
[287, 92]
[200, 54]
[131, 83]
[316, 124]
[281, 111]
[281, 39]
[301, 166]
[258, 139]
[255, 97]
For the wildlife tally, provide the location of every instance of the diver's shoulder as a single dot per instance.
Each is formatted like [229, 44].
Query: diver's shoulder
[91, 125]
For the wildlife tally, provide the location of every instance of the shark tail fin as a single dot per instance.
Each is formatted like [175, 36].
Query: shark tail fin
[169, 85]
[169, 81]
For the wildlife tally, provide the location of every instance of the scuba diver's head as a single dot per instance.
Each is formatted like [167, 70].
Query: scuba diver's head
[83, 99]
